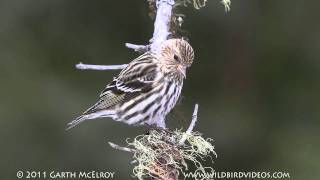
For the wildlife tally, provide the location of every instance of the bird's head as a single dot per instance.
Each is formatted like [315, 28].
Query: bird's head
[176, 55]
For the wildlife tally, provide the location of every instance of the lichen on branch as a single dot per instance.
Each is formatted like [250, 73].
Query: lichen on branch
[165, 154]
[159, 154]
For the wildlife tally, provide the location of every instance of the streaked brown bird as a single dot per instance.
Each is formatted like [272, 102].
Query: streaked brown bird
[147, 89]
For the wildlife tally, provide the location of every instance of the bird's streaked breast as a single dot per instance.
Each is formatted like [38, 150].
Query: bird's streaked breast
[152, 105]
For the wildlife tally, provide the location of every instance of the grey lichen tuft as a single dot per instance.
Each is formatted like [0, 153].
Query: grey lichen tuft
[158, 154]
[197, 4]
[227, 4]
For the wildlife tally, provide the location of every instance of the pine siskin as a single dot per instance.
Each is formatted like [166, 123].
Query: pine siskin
[147, 89]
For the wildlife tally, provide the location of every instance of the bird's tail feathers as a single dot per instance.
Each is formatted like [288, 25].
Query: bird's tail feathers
[98, 114]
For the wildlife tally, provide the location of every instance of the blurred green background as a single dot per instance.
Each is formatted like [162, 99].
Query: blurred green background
[255, 76]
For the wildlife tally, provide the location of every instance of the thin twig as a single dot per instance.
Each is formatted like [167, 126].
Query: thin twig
[192, 124]
[100, 67]
[115, 146]
[194, 119]
[138, 48]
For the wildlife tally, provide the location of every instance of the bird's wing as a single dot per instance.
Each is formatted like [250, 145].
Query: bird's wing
[138, 77]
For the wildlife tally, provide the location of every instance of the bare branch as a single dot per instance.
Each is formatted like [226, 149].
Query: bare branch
[138, 48]
[115, 146]
[161, 27]
[192, 124]
[100, 67]
[194, 119]
[162, 23]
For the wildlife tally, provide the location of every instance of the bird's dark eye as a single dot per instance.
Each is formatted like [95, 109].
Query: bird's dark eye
[175, 57]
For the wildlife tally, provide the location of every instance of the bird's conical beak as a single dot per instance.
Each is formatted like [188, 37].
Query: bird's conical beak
[182, 70]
